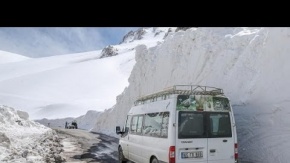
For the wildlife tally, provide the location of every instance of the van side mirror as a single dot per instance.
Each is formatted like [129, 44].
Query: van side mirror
[118, 130]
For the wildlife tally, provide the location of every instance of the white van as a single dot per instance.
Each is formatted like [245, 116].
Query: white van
[181, 124]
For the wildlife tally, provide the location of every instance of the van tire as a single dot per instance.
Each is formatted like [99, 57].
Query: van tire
[154, 160]
[121, 156]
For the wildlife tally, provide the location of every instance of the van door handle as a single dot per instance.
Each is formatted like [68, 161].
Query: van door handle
[212, 150]
[225, 140]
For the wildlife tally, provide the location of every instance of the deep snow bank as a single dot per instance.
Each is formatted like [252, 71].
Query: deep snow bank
[250, 64]
[88, 120]
[22, 140]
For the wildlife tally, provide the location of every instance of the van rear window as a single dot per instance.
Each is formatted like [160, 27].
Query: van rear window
[220, 125]
[193, 124]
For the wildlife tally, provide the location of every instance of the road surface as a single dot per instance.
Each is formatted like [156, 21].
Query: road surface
[81, 146]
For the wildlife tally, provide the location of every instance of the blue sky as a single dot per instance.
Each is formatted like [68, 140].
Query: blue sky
[47, 41]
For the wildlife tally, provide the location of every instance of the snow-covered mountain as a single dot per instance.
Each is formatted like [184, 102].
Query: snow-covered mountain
[70, 85]
[22, 140]
[251, 65]
[146, 34]
[6, 57]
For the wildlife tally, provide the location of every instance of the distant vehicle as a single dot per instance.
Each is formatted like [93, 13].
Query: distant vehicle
[181, 124]
[73, 125]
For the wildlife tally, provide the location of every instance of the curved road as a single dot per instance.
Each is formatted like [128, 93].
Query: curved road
[81, 146]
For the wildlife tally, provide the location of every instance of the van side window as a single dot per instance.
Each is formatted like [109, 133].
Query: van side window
[139, 124]
[164, 125]
[133, 127]
[136, 124]
[156, 124]
[128, 121]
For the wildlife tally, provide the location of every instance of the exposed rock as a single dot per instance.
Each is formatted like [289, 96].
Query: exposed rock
[131, 36]
[168, 31]
[4, 140]
[108, 51]
[24, 154]
[19, 122]
[182, 28]
[128, 37]
[58, 158]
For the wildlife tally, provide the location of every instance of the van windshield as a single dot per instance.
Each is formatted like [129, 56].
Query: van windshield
[193, 124]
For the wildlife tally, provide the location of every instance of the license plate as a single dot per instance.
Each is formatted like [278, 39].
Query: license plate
[197, 154]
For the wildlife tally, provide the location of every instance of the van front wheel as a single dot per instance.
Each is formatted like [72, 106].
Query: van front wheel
[121, 156]
[154, 160]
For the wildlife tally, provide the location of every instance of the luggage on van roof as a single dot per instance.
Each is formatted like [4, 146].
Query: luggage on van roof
[182, 90]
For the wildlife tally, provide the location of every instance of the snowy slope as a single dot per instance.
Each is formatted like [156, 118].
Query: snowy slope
[7, 57]
[251, 65]
[70, 85]
[88, 120]
[22, 140]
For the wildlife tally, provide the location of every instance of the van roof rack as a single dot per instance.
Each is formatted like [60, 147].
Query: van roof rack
[182, 90]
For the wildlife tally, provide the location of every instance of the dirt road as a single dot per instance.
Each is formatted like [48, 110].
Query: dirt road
[81, 146]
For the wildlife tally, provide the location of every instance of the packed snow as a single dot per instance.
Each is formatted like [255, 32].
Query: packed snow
[22, 140]
[250, 64]
[70, 85]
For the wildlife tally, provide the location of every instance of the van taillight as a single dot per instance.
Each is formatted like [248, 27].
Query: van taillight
[172, 154]
[236, 152]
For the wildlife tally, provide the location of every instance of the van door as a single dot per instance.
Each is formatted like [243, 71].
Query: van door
[135, 139]
[191, 137]
[125, 138]
[220, 141]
